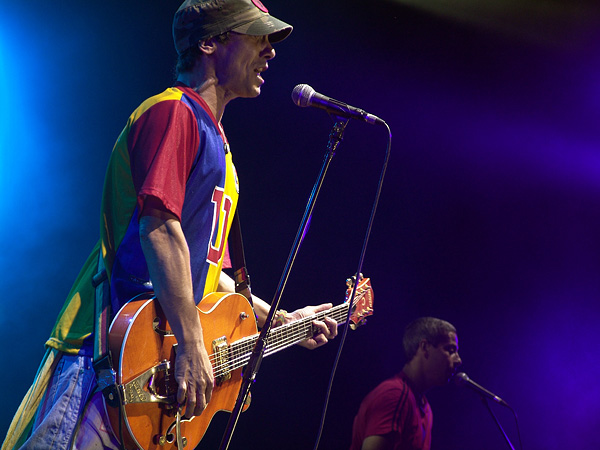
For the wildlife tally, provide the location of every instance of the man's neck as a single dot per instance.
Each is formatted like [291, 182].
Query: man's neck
[206, 87]
[416, 376]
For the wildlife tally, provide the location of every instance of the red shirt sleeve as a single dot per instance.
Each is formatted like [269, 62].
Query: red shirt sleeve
[163, 143]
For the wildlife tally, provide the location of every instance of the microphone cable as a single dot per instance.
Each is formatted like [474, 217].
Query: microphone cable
[358, 272]
[485, 402]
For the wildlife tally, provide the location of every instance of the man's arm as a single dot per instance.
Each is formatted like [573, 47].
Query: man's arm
[168, 260]
[327, 328]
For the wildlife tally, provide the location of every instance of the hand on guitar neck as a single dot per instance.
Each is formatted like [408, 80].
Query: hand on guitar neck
[326, 328]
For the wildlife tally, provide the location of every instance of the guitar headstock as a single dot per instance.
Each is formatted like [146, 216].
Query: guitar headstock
[362, 305]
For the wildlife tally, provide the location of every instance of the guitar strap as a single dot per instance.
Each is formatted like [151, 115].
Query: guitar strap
[105, 374]
[106, 377]
[102, 309]
[238, 260]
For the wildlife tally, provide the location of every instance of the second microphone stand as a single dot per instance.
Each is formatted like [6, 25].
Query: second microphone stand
[250, 371]
[506, 439]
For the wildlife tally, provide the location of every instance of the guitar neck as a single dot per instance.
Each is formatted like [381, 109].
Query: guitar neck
[279, 338]
[291, 333]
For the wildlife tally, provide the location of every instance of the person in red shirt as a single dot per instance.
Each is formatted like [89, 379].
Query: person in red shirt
[396, 414]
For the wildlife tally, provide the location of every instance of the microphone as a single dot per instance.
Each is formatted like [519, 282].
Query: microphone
[462, 379]
[303, 95]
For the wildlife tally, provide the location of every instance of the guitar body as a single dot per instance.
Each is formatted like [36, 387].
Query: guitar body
[143, 350]
[140, 339]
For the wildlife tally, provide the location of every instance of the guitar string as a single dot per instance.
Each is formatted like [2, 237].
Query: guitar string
[298, 331]
[240, 353]
[279, 339]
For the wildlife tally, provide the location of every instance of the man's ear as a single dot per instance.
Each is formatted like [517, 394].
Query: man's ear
[424, 347]
[207, 46]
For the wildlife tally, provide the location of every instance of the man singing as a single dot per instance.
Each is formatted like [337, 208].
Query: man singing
[169, 197]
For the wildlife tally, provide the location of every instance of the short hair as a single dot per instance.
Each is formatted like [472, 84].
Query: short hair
[187, 60]
[435, 331]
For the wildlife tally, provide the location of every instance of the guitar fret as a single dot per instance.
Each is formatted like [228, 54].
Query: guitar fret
[280, 338]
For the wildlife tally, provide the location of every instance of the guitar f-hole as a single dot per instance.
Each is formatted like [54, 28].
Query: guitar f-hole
[169, 437]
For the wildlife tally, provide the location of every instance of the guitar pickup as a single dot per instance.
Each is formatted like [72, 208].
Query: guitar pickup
[221, 360]
[143, 389]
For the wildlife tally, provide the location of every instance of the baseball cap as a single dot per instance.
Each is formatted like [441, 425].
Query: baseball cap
[202, 19]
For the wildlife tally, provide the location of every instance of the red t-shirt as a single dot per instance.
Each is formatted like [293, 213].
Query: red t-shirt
[391, 409]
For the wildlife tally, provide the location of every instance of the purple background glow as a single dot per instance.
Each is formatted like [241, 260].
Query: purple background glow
[489, 218]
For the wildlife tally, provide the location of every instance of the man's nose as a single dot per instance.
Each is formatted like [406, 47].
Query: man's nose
[269, 51]
[458, 360]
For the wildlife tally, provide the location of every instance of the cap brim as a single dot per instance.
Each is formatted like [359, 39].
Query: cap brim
[267, 25]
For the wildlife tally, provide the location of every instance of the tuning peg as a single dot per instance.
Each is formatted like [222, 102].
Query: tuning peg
[350, 281]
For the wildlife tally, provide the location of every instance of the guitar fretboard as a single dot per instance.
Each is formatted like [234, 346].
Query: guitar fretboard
[238, 353]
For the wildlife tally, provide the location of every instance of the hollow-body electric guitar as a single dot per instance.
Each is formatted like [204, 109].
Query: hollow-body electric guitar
[143, 349]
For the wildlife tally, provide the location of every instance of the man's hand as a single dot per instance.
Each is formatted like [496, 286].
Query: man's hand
[327, 327]
[194, 376]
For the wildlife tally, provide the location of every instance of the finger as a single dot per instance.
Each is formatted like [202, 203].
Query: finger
[181, 392]
[209, 389]
[200, 404]
[190, 406]
[331, 326]
[323, 307]
[323, 328]
[204, 395]
[310, 344]
[319, 340]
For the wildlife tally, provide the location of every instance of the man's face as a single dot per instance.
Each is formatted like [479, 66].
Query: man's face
[240, 63]
[444, 360]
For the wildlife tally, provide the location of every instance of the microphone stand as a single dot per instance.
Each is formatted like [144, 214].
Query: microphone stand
[250, 371]
[485, 402]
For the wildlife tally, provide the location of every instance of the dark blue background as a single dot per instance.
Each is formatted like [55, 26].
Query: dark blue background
[489, 218]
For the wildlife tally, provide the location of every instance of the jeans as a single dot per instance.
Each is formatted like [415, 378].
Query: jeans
[66, 399]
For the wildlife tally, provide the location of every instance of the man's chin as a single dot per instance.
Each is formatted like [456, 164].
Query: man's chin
[251, 94]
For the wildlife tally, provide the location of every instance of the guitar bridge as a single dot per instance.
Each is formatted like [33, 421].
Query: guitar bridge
[221, 360]
[144, 389]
